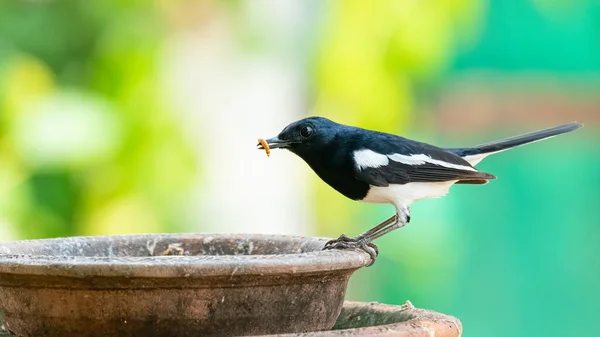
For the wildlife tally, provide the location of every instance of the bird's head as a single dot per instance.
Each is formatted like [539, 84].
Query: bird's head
[304, 135]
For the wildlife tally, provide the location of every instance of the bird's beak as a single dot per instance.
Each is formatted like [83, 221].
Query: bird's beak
[274, 143]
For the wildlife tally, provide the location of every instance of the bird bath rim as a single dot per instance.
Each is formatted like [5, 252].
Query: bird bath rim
[308, 259]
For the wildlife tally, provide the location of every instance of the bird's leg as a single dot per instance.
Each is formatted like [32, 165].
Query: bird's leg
[403, 218]
[361, 241]
[364, 240]
[371, 231]
[384, 231]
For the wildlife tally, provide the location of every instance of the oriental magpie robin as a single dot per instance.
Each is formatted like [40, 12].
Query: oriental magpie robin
[377, 167]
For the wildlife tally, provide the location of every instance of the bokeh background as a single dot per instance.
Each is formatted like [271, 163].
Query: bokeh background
[142, 116]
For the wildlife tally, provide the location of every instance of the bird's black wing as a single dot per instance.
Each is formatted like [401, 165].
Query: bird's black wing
[446, 166]
[399, 173]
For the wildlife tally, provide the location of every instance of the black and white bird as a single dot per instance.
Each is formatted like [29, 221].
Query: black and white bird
[377, 167]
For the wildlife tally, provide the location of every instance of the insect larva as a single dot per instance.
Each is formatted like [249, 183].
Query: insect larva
[265, 145]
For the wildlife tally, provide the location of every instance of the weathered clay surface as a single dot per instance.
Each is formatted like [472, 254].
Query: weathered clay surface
[374, 319]
[124, 286]
[382, 320]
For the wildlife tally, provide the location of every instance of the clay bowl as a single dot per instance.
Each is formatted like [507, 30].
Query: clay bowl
[384, 320]
[123, 285]
[380, 320]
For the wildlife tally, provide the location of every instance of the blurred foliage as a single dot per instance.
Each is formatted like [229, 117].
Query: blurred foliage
[557, 36]
[371, 56]
[87, 144]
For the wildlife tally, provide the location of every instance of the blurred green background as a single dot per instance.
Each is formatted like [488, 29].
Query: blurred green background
[140, 116]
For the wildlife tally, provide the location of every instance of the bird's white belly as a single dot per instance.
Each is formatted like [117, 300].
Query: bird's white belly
[404, 195]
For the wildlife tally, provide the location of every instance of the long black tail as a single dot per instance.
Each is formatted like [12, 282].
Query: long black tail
[474, 154]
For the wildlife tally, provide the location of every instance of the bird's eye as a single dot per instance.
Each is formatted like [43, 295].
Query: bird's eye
[306, 131]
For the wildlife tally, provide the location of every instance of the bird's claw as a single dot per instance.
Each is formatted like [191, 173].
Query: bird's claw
[357, 242]
[342, 238]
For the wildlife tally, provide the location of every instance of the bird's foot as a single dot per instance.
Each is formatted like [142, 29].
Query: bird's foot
[356, 242]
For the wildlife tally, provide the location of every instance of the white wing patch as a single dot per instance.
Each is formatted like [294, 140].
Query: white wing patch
[420, 159]
[370, 159]
[409, 160]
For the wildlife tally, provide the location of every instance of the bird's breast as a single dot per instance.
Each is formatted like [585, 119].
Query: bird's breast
[346, 184]
[336, 168]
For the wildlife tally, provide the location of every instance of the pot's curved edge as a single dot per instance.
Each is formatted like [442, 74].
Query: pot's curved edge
[188, 266]
[409, 322]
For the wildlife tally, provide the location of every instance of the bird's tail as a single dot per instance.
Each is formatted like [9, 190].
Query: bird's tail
[475, 154]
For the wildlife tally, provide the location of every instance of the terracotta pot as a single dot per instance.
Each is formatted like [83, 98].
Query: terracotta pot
[382, 320]
[374, 319]
[123, 285]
